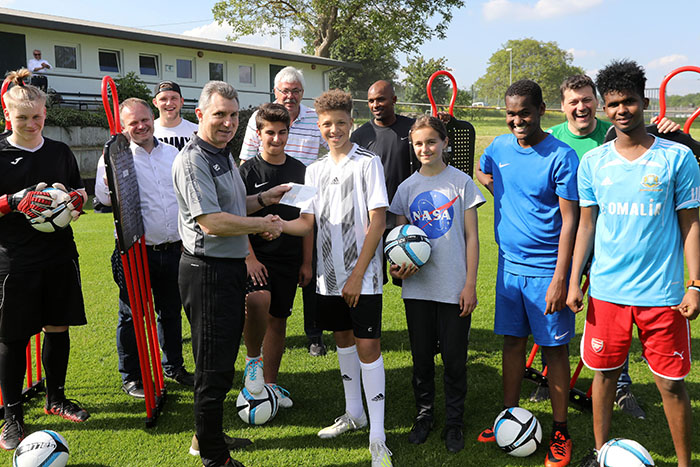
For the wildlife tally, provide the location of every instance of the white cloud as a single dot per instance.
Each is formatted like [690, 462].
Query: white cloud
[582, 53]
[668, 61]
[216, 32]
[5, 3]
[542, 9]
[592, 72]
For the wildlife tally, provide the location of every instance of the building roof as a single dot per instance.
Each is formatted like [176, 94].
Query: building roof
[79, 26]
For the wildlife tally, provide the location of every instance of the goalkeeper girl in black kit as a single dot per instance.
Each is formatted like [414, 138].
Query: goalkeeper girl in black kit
[39, 276]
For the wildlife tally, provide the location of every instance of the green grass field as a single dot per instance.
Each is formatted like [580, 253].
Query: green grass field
[115, 435]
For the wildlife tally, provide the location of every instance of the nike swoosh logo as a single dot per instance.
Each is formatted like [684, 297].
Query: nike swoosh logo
[16, 161]
[258, 185]
[556, 338]
[501, 164]
[404, 138]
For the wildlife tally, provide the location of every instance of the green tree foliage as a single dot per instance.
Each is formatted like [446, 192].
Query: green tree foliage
[130, 85]
[687, 101]
[418, 73]
[400, 24]
[542, 62]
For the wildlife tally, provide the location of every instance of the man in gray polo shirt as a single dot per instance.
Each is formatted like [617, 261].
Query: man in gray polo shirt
[214, 229]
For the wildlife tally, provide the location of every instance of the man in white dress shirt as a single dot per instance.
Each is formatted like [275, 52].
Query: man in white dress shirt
[38, 67]
[153, 162]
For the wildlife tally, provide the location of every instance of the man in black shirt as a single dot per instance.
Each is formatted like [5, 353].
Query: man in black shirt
[274, 267]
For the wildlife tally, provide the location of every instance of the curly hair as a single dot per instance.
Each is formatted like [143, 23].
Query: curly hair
[271, 112]
[526, 87]
[576, 82]
[335, 99]
[621, 75]
[427, 121]
[22, 95]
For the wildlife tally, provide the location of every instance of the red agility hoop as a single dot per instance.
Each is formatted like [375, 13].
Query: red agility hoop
[429, 89]
[5, 85]
[662, 96]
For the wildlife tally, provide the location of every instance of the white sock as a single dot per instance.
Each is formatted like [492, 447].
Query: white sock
[349, 364]
[373, 381]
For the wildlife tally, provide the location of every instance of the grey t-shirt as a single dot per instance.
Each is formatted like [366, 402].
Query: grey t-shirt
[436, 204]
[207, 181]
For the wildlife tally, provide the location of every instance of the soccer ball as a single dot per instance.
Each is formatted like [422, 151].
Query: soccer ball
[407, 244]
[42, 448]
[56, 217]
[624, 452]
[517, 432]
[256, 409]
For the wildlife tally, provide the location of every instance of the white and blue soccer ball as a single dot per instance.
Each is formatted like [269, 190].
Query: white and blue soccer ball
[44, 448]
[407, 244]
[619, 452]
[256, 409]
[517, 432]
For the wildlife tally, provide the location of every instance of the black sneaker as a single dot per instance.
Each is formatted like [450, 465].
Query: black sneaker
[590, 460]
[182, 376]
[626, 401]
[68, 409]
[231, 443]
[454, 439]
[12, 433]
[420, 430]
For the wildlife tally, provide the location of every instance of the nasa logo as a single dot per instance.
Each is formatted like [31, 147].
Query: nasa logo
[433, 212]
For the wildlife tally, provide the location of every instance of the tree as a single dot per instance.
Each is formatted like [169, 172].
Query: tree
[542, 62]
[130, 85]
[400, 24]
[418, 73]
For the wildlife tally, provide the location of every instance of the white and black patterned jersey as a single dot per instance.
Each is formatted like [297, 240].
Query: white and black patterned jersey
[347, 191]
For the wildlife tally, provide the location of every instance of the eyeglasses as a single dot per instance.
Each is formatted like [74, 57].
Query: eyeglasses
[39, 54]
[291, 92]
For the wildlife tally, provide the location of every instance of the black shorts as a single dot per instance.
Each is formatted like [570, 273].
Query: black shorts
[31, 300]
[282, 280]
[365, 319]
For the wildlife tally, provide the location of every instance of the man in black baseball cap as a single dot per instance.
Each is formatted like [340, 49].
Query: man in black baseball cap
[170, 127]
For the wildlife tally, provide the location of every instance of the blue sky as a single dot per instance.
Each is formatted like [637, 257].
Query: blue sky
[595, 31]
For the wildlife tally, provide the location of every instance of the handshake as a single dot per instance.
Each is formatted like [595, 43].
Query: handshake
[271, 227]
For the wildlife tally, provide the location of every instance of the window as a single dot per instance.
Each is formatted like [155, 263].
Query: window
[148, 65]
[245, 74]
[66, 56]
[184, 68]
[109, 61]
[216, 71]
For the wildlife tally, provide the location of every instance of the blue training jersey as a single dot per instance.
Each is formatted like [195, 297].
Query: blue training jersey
[638, 256]
[527, 185]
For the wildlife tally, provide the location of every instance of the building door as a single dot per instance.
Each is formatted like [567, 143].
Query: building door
[13, 53]
[274, 69]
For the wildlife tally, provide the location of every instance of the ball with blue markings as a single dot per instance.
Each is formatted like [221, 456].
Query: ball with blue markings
[517, 432]
[620, 452]
[256, 409]
[44, 448]
[407, 244]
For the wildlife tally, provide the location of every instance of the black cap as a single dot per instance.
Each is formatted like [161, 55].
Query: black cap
[168, 86]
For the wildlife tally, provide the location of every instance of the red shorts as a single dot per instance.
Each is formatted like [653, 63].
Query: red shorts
[663, 332]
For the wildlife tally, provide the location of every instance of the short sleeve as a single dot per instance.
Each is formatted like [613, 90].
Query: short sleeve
[486, 161]
[687, 186]
[472, 195]
[251, 141]
[565, 175]
[309, 180]
[376, 185]
[399, 205]
[586, 194]
[196, 187]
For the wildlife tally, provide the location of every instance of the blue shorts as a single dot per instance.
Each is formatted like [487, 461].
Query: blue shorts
[520, 305]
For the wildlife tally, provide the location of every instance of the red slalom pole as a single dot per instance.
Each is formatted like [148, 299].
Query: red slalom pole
[531, 357]
[151, 319]
[429, 89]
[28, 352]
[5, 85]
[37, 342]
[662, 96]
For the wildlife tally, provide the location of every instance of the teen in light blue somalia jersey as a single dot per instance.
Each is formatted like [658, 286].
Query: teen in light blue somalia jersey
[638, 253]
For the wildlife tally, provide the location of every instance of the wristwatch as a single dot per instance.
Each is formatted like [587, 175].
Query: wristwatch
[693, 283]
[262, 203]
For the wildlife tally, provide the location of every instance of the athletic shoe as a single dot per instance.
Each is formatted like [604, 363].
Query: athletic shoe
[233, 463]
[283, 398]
[539, 394]
[316, 347]
[342, 424]
[381, 456]
[486, 436]
[231, 443]
[134, 389]
[182, 376]
[454, 439]
[626, 401]
[559, 453]
[12, 433]
[590, 460]
[68, 409]
[420, 430]
[253, 377]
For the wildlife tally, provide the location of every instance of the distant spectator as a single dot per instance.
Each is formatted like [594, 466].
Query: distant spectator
[170, 127]
[38, 67]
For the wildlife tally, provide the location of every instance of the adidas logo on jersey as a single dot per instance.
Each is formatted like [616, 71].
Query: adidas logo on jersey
[378, 397]
[607, 182]
[335, 181]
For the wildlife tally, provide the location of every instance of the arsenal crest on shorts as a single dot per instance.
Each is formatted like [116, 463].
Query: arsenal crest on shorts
[597, 344]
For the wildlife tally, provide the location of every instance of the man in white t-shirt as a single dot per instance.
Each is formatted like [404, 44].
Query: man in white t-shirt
[170, 127]
[38, 67]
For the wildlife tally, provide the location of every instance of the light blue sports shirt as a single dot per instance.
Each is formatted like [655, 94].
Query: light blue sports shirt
[638, 256]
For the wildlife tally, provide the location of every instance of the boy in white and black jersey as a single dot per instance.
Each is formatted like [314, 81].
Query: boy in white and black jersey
[350, 211]
[274, 267]
[170, 127]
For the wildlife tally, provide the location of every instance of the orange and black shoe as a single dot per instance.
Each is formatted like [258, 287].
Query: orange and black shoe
[68, 409]
[559, 453]
[486, 436]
